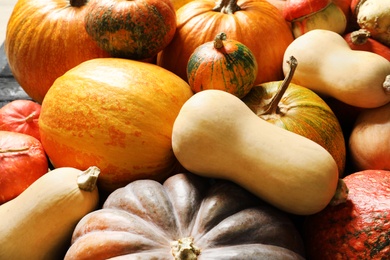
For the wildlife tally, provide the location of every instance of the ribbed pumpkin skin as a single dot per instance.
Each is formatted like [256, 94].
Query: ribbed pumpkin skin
[141, 220]
[116, 114]
[136, 29]
[231, 68]
[197, 23]
[44, 39]
[303, 112]
[357, 229]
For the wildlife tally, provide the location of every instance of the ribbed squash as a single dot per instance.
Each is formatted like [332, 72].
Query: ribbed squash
[223, 64]
[186, 217]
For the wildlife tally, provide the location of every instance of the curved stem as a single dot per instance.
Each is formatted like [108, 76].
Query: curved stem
[227, 6]
[272, 107]
[30, 117]
[14, 150]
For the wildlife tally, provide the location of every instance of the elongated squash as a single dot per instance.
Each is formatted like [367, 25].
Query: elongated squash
[216, 135]
[38, 224]
[329, 67]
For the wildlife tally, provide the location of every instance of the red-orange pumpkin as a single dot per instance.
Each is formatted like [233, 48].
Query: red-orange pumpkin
[356, 229]
[116, 114]
[257, 24]
[21, 116]
[223, 64]
[22, 161]
[136, 29]
[44, 39]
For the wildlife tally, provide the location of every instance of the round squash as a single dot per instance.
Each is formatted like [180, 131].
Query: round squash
[22, 161]
[356, 229]
[44, 39]
[246, 21]
[21, 116]
[116, 114]
[223, 64]
[300, 110]
[186, 217]
[136, 29]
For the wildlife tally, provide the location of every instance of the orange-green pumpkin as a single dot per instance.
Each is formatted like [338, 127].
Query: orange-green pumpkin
[136, 29]
[223, 64]
[299, 110]
[44, 39]
[255, 23]
[116, 114]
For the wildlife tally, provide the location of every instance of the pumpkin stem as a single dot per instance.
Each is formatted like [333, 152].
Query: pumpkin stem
[184, 248]
[341, 194]
[227, 6]
[360, 36]
[14, 150]
[30, 117]
[87, 179]
[272, 107]
[218, 41]
[386, 84]
[78, 3]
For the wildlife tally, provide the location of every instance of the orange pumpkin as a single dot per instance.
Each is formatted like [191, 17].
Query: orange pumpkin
[223, 64]
[116, 114]
[44, 39]
[255, 23]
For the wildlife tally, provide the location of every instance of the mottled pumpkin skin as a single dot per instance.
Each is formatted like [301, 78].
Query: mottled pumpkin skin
[145, 217]
[303, 112]
[136, 29]
[232, 68]
[116, 114]
[197, 23]
[44, 39]
[357, 229]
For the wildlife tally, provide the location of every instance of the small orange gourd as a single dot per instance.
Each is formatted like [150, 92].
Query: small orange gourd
[224, 64]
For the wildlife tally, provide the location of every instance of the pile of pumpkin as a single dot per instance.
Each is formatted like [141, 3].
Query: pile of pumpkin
[179, 129]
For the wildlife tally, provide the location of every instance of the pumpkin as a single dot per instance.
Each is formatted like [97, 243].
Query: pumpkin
[357, 78]
[199, 21]
[373, 15]
[186, 217]
[361, 40]
[217, 135]
[307, 15]
[22, 161]
[116, 114]
[356, 229]
[370, 138]
[136, 29]
[44, 39]
[38, 224]
[300, 110]
[223, 64]
[21, 116]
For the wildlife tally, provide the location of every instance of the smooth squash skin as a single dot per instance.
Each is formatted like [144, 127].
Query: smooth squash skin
[216, 135]
[329, 67]
[38, 224]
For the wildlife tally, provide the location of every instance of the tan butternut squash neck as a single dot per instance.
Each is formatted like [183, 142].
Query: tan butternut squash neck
[87, 179]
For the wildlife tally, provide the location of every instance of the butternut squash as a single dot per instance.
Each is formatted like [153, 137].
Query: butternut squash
[38, 224]
[329, 67]
[217, 135]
